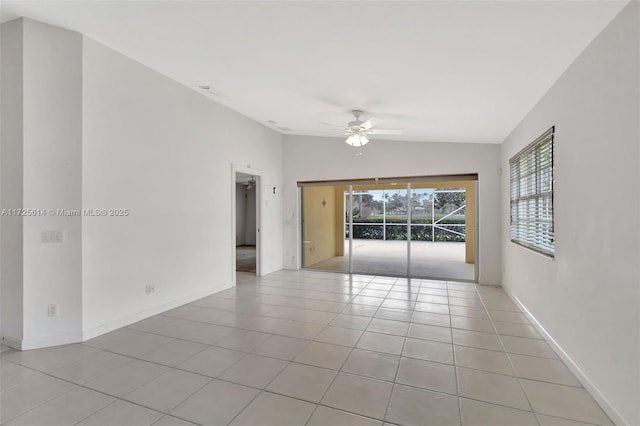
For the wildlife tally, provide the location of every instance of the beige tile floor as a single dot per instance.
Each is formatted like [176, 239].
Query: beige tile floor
[441, 260]
[307, 348]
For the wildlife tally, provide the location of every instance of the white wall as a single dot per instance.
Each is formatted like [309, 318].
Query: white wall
[164, 152]
[241, 213]
[587, 299]
[43, 171]
[314, 158]
[52, 180]
[97, 130]
[11, 180]
[250, 217]
[319, 228]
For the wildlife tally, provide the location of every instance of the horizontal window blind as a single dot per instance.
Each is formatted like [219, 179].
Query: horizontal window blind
[532, 195]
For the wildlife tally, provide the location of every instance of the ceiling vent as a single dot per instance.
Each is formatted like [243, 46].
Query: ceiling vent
[211, 91]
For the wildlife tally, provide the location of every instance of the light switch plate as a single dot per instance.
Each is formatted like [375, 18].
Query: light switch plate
[52, 310]
[52, 236]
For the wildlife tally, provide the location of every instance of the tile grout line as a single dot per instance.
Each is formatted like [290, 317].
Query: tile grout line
[404, 343]
[509, 359]
[103, 408]
[318, 404]
[292, 361]
[344, 362]
[495, 333]
[335, 314]
[455, 362]
[371, 318]
[41, 404]
[245, 406]
[245, 353]
[116, 398]
[83, 386]
[339, 313]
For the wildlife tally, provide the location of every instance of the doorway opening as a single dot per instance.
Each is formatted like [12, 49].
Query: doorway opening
[246, 221]
[419, 227]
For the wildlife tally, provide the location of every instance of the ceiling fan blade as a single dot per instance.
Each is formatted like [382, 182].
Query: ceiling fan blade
[384, 132]
[340, 134]
[370, 123]
[324, 123]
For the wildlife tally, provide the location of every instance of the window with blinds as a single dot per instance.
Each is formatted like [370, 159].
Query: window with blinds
[532, 195]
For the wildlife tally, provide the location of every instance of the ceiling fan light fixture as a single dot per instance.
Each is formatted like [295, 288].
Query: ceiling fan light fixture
[252, 183]
[357, 140]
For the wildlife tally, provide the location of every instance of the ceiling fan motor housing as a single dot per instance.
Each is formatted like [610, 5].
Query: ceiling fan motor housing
[355, 125]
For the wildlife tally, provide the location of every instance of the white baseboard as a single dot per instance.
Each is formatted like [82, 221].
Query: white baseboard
[42, 342]
[130, 319]
[12, 342]
[82, 336]
[48, 341]
[600, 398]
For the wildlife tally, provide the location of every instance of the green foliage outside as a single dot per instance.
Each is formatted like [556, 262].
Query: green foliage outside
[368, 222]
[415, 218]
[372, 229]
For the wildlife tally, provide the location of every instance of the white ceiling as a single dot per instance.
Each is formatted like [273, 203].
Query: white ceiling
[445, 71]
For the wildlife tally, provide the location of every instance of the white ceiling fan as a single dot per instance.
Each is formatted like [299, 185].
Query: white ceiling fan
[251, 183]
[358, 131]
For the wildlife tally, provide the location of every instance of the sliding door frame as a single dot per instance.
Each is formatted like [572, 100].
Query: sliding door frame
[406, 180]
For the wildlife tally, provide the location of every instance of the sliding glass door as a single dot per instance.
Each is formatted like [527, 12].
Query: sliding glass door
[441, 247]
[412, 227]
[379, 243]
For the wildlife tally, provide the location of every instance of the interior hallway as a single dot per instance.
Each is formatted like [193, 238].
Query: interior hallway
[307, 348]
[246, 259]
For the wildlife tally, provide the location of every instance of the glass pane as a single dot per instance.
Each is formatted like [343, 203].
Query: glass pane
[323, 225]
[379, 230]
[439, 244]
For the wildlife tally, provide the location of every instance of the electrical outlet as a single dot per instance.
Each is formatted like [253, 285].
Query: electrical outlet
[150, 289]
[52, 310]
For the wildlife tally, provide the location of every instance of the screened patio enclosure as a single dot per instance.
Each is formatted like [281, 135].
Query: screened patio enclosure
[415, 227]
